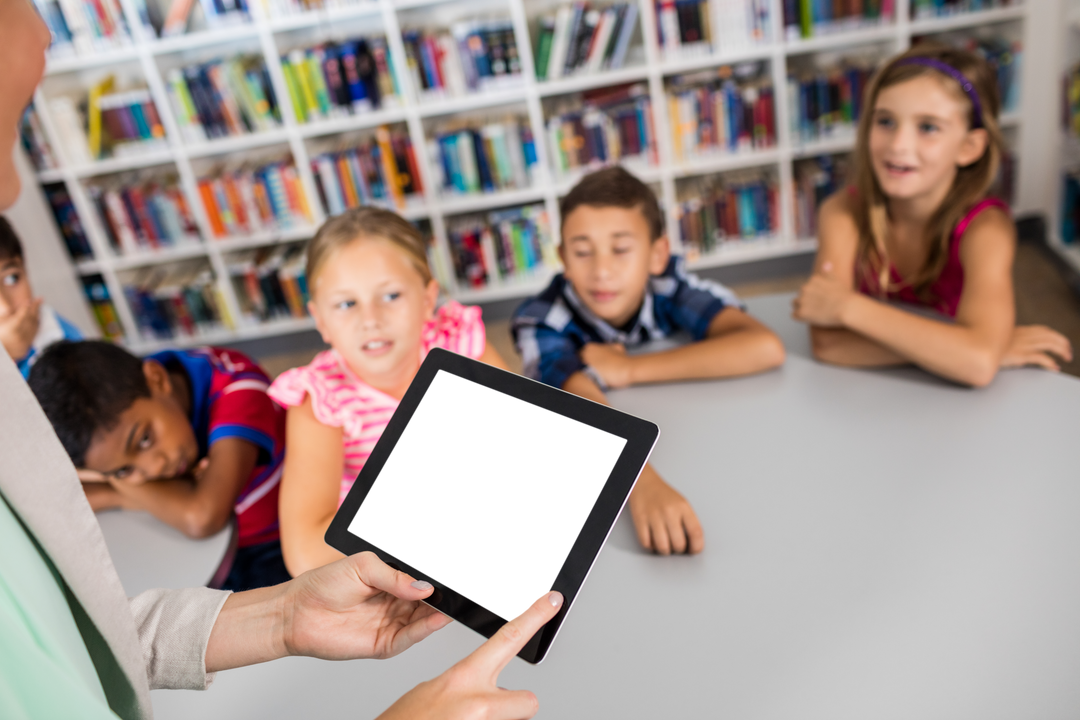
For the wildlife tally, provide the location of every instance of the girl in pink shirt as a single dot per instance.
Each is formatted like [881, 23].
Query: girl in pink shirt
[376, 304]
[917, 227]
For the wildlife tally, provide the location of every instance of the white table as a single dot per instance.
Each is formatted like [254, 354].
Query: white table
[880, 544]
[149, 554]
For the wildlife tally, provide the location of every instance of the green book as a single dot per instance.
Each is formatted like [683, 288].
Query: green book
[295, 96]
[806, 17]
[318, 82]
[543, 47]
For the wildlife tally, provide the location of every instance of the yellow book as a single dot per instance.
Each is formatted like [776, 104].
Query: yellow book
[676, 126]
[93, 115]
[386, 153]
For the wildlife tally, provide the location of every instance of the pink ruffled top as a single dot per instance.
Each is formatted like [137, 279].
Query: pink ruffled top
[340, 399]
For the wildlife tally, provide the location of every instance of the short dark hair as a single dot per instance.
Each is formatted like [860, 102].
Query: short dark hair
[10, 247]
[84, 387]
[615, 187]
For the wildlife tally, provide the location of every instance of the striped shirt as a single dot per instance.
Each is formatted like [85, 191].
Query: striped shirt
[551, 328]
[229, 399]
[340, 399]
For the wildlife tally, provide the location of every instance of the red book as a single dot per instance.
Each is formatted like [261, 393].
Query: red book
[213, 214]
[153, 120]
[414, 169]
[236, 202]
[142, 213]
[437, 55]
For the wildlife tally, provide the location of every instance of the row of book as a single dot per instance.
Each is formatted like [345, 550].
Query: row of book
[181, 299]
[1070, 211]
[254, 198]
[808, 18]
[728, 207]
[933, 8]
[287, 8]
[814, 180]
[222, 98]
[828, 101]
[339, 79]
[583, 39]
[379, 170]
[121, 123]
[501, 245]
[67, 219]
[97, 293]
[270, 283]
[34, 142]
[698, 27]
[169, 18]
[608, 125]
[84, 26]
[1004, 57]
[713, 111]
[484, 158]
[144, 215]
[469, 57]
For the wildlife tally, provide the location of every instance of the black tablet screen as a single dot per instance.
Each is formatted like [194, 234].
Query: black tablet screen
[487, 493]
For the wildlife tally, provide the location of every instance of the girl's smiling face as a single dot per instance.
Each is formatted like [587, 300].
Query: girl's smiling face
[370, 303]
[919, 137]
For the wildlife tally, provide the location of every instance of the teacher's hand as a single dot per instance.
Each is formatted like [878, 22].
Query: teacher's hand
[469, 689]
[357, 607]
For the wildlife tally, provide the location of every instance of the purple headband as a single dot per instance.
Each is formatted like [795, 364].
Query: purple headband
[965, 84]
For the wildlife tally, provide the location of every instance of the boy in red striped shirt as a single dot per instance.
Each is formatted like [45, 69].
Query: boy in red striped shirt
[188, 435]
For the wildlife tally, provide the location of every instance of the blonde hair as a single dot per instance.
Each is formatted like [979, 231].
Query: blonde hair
[366, 223]
[970, 185]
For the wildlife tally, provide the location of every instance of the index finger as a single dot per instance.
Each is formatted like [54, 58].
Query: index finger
[492, 656]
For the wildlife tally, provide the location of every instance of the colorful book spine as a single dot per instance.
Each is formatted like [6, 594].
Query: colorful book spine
[179, 300]
[380, 170]
[607, 126]
[726, 208]
[599, 41]
[141, 215]
[809, 18]
[921, 9]
[501, 246]
[270, 283]
[223, 98]
[477, 158]
[339, 79]
[712, 112]
[34, 141]
[816, 179]
[254, 198]
[97, 293]
[68, 222]
[828, 102]
[125, 123]
[215, 14]
[470, 57]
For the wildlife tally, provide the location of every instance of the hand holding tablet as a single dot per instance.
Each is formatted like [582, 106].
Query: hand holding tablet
[493, 530]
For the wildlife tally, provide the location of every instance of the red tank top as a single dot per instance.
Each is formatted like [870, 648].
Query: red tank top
[947, 288]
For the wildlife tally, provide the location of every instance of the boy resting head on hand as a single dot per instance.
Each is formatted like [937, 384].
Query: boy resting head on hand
[621, 288]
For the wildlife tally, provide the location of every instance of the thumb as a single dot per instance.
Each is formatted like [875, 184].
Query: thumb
[376, 574]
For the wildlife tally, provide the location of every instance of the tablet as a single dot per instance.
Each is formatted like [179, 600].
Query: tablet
[494, 488]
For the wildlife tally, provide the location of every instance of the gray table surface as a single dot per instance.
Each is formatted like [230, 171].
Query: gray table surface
[880, 544]
[149, 554]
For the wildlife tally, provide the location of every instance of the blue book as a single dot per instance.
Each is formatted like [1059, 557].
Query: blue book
[483, 169]
[351, 70]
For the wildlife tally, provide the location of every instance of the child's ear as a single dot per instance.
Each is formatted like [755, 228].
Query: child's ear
[431, 297]
[314, 312]
[659, 254]
[157, 378]
[973, 147]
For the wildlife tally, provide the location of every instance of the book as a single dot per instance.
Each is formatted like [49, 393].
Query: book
[34, 141]
[469, 57]
[177, 300]
[579, 39]
[602, 127]
[338, 79]
[97, 293]
[810, 18]
[828, 102]
[68, 222]
[84, 27]
[254, 197]
[814, 180]
[501, 246]
[471, 158]
[1001, 54]
[141, 213]
[224, 97]
[270, 283]
[921, 9]
[735, 206]
[722, 110]
[367, 172]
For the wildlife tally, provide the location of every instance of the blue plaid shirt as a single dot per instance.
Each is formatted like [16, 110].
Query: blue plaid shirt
[551, 328]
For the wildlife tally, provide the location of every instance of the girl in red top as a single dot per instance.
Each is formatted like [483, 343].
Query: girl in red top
[916, 227]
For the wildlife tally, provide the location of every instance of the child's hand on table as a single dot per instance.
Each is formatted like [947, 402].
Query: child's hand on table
[1035, 345]
[610, 362]
[18, 330]
[822, 300]
[664, 520]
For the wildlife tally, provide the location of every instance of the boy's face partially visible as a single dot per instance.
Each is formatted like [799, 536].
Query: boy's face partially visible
[153, 438]
[608, 257]
[15, 292]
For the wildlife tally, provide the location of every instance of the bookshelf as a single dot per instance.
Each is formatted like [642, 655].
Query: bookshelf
[273, 35]
[1067, 197]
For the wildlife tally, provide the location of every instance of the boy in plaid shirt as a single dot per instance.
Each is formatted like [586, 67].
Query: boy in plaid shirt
[620, 288]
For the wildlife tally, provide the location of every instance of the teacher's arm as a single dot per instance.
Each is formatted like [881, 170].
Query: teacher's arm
[310, 486]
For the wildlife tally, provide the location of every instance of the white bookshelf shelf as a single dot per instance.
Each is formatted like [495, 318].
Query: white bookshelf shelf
[527, 97]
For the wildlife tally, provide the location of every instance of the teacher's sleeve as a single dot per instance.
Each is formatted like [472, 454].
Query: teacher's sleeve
[174, 628]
